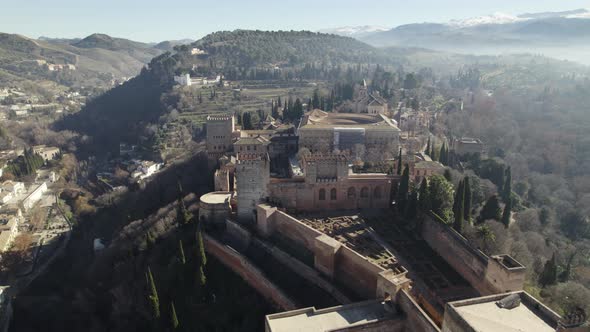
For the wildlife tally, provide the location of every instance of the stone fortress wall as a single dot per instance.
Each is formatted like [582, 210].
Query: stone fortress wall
[488, 275]
[337, 262]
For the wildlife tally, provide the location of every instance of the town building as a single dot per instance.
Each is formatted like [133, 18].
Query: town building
[420, 166]
[325, 132]
[466, 145]
[143, 169]
[371, 103]
[47, 152]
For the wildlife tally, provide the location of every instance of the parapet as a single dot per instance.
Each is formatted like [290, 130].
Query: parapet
[219, 118]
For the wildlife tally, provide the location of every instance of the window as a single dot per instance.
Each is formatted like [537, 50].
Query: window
[322, 194]
[248, 147]
[351, 193]
[333, 194]
[365, 192]
[377, 192]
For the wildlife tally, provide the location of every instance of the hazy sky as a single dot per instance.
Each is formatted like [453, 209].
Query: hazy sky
[151, 20]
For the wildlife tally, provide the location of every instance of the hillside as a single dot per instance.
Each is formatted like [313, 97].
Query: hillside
[246, 47]
[97, 58]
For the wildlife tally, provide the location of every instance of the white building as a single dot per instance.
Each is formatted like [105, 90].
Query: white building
[34, 196]
[184, 79]
[145, 169]
[8, 231]
[13, 187]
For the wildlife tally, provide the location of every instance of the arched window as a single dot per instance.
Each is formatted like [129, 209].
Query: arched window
[377, 192]
[365, 192]
[351, 192]
[322, 194]
[333, 194]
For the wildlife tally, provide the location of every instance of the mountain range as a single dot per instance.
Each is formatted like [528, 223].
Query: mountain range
[564, 35]
[97, 58]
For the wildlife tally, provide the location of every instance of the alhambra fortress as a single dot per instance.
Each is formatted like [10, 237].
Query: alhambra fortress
[292, 193]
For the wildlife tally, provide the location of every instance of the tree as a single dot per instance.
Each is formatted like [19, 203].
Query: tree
[549, 274]
[399, 162]
[428, 147]
[467, 200]
[201, 248]
[173, 317]
[447, 174]
[247, 121]
[507, 190]
[316, 99]
[440, 192]
[403, 189]
[459, 207]
[412, 206]
[491, 210]
[485, 233]
[575, 225]
[153, 296]
[181, 252]
[507, 213]
[567, 272]
[423, 199]
[183, 215]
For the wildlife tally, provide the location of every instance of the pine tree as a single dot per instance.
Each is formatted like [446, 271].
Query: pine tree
[467, 200]
[506, 214]
[181, 252]
[404, 186]
[173, 317]
[459, 206]
[399, 162]
[153, 297]
[549, 275]
[507, 189]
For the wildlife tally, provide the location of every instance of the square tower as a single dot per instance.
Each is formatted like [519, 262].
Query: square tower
[219, 134]
[252, 178]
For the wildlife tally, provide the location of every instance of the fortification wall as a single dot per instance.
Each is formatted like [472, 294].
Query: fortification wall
[334, 260]
[252, 275]
[417, 319]
[487, 275]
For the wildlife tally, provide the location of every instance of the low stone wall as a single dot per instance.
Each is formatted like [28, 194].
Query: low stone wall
[417, 319]
[488, 275]
[250, 273]
[356, 272]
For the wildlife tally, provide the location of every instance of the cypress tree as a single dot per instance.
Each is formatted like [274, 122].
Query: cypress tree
[153, 297]
[181, 252]
[201, 248]
[202, 277]
[506, 213]
[404, 186]
[280, 102]
[467, 200]
[423, 199]
[459, 206]
[441, 154]
[412, 206]
[507, 189]
[183, 215]
[399, 162]
[433, 153]
[428, 146]
[549, 274]
[173, 317]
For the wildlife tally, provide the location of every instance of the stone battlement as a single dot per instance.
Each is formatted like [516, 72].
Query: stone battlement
[219, 117]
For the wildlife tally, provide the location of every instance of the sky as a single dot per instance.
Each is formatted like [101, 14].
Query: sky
[154, 21]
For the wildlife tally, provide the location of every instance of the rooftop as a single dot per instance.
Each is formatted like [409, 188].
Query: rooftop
[321, 119]
[329, 319]
[483, 314]
[258, 140]
[216, 197]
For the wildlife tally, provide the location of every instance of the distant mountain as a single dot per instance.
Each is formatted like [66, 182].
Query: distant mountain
[97, 58]
[355, 31]
[564, 35]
